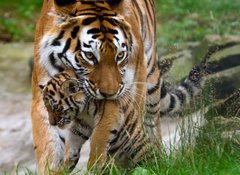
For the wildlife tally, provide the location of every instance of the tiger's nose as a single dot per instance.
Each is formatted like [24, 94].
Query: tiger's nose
[108, 94]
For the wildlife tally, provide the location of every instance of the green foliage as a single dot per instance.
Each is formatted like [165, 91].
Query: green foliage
[189, 20]
[18, 18]
[178, 21]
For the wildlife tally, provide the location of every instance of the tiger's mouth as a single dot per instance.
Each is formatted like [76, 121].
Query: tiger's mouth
[96, 93]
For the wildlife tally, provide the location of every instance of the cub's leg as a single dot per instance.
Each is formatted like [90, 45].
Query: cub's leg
[102, 133]
[78, 134]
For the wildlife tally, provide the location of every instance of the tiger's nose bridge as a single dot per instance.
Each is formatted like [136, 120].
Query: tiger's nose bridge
[108, 85]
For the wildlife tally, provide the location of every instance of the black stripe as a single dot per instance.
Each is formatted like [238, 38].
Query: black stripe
[62, 139]
[112, 31]
[153, 105]
[137, 137]
[54, 86]
[74, 103]
[76, 132]
[140, 15]
[217, 48]
[163, 90]
[61, 94]
[149, 11]
[86, 45]
[75, 32]
[88, 21]
[155, 87]
[95, 36]
[93, 31]
[67, 45]
[56, 41]
[125, 141]
[53, 62]
[153, 112]
[78, 46]
[152, 71]
[162, 114]
[136, 150]
[172, 104]
[181, 96]
[86, 13]
[113, 22]
[132, 127]
[66, 100]
[150, 58]
[52, 92]
[223, 64]
[114, 131]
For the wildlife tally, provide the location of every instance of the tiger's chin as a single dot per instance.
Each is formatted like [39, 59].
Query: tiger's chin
[102, 97]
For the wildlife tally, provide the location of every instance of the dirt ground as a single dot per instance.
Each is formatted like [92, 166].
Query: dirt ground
[16, 146]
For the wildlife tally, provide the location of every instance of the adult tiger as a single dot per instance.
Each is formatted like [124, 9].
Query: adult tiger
[112, 46]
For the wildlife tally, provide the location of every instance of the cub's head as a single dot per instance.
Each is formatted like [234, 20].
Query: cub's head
[91, 38]
[63, 99]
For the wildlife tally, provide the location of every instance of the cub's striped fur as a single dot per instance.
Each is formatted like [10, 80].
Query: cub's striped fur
[64, 101]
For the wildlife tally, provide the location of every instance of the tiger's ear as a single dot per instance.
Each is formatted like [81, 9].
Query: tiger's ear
[114, 2]
[62, 3]
[64, 7]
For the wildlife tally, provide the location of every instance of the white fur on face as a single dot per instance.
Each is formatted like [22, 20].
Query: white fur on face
[47, 49]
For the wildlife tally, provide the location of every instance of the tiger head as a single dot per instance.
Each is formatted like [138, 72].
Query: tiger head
[93, 40]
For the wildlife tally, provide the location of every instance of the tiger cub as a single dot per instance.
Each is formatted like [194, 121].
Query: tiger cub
[64, 101]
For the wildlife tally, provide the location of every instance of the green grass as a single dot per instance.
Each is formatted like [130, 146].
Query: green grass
[189, 20]
[211, 155]
[178, 21]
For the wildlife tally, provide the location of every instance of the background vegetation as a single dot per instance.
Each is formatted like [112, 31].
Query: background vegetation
[178, 21]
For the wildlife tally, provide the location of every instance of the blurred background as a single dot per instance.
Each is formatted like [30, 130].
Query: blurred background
[185, 28]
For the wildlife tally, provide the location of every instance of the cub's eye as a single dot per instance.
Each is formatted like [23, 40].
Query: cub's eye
[120, 56]
[89, 55]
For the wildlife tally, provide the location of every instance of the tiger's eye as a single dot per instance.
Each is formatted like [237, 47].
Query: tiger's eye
[89, 55]
[120, 55]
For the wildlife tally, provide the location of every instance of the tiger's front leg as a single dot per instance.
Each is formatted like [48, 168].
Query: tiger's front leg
[48, 143]
[102, 133]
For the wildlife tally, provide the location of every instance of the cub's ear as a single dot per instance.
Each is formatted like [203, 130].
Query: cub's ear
[114, 2]
[70, 86]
